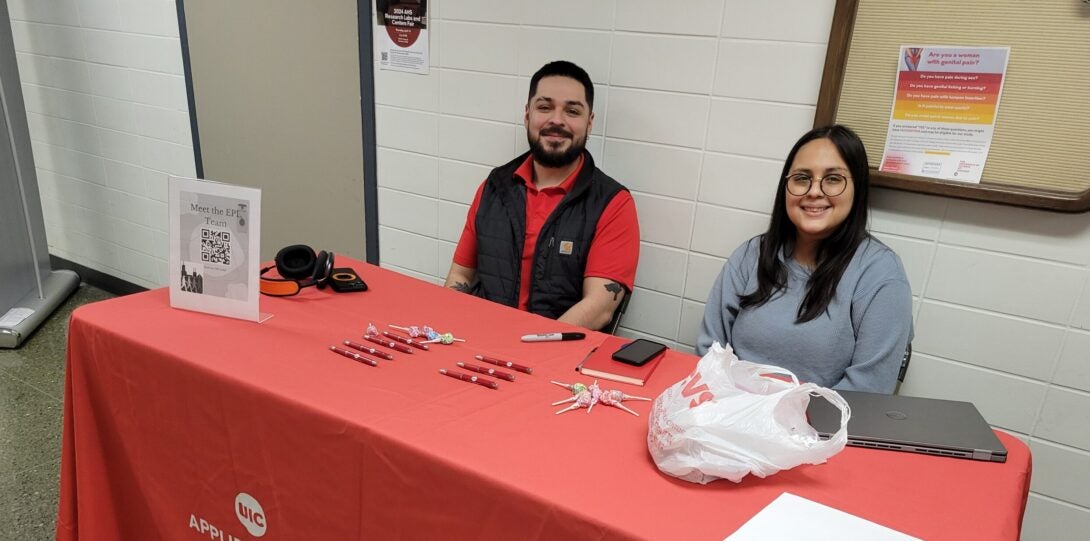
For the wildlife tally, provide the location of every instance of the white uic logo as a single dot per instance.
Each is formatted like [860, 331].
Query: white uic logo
[250, 514]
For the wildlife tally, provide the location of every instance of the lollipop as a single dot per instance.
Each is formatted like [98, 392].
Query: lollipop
[575, 388]
[445, 339]
[582, 400]
[595, 395]
[412, 330]
[372, 330]
[614, 398]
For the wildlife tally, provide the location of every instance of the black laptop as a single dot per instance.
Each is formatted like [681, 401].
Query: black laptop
[905, 423]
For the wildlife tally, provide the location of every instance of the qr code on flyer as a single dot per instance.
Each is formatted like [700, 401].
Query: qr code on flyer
[215, 246]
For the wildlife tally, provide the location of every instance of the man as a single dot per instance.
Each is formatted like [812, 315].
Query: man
[549, 232]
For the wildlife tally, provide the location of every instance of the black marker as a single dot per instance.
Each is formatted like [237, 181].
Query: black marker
[553, 336]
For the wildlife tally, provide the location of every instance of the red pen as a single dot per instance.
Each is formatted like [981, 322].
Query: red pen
[489, 371]
[353, 355]
[471, 379]
[390, 344]
[372, 351]
[406, 341]
[508, 364]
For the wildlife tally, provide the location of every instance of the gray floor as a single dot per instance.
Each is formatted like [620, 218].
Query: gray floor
[31, 403]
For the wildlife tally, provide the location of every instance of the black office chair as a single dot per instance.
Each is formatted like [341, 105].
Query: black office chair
[615, 321]
[904, 369]
[904, 364]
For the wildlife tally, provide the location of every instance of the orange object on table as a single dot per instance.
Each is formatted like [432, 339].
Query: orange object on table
[182, 425]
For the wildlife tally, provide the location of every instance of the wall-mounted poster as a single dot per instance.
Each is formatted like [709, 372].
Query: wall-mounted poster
[403, 35]
[215, 241]
[944, 109]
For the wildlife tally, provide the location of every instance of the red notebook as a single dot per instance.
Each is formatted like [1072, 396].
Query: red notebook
[600, 364]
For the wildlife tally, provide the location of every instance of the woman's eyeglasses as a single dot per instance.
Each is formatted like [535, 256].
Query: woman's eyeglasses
[832, 185]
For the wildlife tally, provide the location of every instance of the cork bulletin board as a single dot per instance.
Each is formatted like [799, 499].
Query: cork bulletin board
[1040, 152]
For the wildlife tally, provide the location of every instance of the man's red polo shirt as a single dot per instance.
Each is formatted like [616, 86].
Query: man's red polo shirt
[614, 252]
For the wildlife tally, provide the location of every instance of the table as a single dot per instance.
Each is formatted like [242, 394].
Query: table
[182, 425]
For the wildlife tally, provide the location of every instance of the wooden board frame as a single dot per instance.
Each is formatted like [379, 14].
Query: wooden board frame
[836, 60]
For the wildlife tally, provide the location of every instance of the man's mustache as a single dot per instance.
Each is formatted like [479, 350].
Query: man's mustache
[555, 131]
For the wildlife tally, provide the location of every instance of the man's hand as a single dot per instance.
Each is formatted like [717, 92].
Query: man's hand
[601, 297]
[461, 278]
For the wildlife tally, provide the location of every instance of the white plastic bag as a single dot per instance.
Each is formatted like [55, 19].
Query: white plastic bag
[726, 420]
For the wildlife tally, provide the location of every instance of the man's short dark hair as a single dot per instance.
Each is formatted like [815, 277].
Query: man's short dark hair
[564, 68]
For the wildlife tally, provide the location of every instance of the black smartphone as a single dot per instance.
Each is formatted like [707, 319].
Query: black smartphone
[638, 352]
[345, 279]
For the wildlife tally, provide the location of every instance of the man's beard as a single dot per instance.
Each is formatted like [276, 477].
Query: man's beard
[556, 158]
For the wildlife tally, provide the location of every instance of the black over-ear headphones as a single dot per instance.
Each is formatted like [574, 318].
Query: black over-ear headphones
[299, 267]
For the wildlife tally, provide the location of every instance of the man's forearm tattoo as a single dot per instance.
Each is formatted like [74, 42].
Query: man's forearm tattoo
[460, 286]
[614, 288]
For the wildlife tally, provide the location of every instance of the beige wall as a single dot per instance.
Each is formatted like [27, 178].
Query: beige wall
[277, 91]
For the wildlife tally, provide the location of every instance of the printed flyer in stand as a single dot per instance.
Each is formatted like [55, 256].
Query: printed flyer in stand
[215, 240]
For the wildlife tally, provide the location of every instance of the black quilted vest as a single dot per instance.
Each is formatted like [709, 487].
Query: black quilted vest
[556, 281]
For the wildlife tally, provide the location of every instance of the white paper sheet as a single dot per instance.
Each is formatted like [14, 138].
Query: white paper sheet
[15, 316]
[793, 517]
[215, 240]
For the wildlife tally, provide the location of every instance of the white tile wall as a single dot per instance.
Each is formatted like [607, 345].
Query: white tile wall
[916, 256]
[654, 169]
[681, 62]
[54, 72]
[661, 269]
[646, 313]
[1073, 370]
[597, 14]
[986, 339]
[696, 17]
[108, 119]
[1048, 519]
[1061, 472]
[781, 20]
[408, 172]
[1040, 235]
[907, 214]
[1034, 289]
[62, 12]
[74, 106]
[589, 49]
[474, 140]
[480, 95]
[409, 250]
[482, 11]
[701, 275]
[664, 220]
[697, 105]
[732, 121]
[761, 70]
[718, 230]
[408, 90]
[657, 117]
[404, 129]
[479, 47]
[458, 181]
[739, 181]
[692, 317]
[452, 219]
[1081, 318]
[1065, 418]
[1005, 401]
[408, 212]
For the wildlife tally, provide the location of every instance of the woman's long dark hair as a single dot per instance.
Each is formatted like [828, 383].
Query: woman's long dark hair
[835, 251]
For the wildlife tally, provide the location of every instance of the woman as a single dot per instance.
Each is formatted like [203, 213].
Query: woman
[816, 294]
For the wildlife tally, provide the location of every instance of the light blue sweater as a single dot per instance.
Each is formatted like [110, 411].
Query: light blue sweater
[857, 344]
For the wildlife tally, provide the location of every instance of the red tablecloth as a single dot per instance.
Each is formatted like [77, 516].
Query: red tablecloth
[182, 425]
